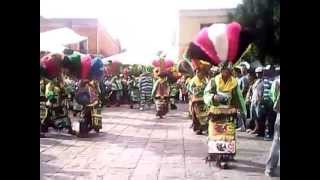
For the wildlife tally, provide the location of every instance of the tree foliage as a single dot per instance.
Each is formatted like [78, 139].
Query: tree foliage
[262, 19]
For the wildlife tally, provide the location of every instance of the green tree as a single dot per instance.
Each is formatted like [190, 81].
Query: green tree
[262, 18]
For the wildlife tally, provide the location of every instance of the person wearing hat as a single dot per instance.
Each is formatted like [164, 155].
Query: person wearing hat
[196, 88]
[223, 97]
[274, 154]
[254, 98]
[244, 80]
[270, 80]
[240, 119]
[145, 87]
[219, 44]
[237, 72]
[268, 115]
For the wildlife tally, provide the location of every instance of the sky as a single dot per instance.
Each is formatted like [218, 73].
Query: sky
[138, 24]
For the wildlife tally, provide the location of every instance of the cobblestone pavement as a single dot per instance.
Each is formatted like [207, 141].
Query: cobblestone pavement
[136, 145]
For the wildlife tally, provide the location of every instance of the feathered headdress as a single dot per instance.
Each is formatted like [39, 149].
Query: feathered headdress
[216, 44]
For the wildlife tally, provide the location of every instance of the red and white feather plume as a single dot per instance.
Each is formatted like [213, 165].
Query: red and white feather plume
[220, 42]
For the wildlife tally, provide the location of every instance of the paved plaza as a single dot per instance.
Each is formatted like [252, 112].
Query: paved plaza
[136, 145]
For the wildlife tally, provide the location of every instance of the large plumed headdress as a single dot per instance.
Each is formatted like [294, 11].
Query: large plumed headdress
[216, 44]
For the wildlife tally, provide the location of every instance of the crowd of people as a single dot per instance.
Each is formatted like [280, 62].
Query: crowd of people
[133, 90]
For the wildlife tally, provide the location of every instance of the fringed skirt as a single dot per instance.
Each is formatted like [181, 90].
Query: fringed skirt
[222, 131]
[199, 115]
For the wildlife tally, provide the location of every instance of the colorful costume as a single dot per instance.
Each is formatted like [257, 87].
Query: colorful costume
[161, 93]
[218, 45]
[57, 114]
[196, 88]
[222, 114]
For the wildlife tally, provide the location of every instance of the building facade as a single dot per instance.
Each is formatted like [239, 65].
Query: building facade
[99, 40]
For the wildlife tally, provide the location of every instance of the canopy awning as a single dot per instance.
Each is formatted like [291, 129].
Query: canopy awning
[58, 38]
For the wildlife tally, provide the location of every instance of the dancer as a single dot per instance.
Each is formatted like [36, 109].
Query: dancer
[161, 94]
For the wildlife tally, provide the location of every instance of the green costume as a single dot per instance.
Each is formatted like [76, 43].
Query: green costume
[198, 108]
[222, 113]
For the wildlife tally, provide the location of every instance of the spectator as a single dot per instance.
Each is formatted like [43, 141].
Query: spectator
[244, 80]
[268, 116]
[254, 97]
[273, 158]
